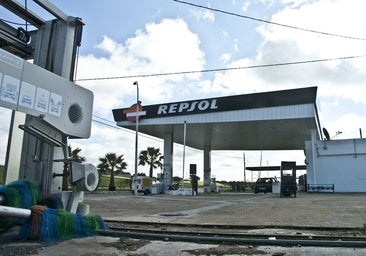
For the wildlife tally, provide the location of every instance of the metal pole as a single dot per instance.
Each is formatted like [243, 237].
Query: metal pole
[184, 148]
[245, 177]
[7, 211]
[260, 166]
[137, 135]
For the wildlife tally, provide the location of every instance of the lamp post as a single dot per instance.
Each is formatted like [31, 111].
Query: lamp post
[137, 135]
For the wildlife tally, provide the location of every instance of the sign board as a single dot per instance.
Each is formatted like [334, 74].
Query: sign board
[30, 89]
[192, 169]
[222, 104]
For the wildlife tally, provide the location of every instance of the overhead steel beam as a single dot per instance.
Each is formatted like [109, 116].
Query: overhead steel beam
[22, 12]
[272, 168]
[51, 8]
[15, 41]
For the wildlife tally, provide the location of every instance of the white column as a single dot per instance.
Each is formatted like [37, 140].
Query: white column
[207, 169]
[168, 159]
[314, 157]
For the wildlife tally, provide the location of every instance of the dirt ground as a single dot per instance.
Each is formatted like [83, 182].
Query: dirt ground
[306, 209]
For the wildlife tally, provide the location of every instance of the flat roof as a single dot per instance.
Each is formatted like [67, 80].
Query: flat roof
[277, 120]
[271, 168]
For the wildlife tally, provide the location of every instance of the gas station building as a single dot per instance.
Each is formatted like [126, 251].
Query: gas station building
[278, 120]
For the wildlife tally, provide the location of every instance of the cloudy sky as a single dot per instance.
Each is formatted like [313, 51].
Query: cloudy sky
[127, 40]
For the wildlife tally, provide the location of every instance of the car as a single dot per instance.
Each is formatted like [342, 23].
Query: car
[264, 185]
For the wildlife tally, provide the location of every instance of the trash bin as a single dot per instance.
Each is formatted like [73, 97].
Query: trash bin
[154, 189]
[276, 187]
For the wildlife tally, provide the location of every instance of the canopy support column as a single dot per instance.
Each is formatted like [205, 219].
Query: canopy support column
[207, 169]
[168, 159]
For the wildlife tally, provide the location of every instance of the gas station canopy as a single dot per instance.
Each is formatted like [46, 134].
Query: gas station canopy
[278, 120]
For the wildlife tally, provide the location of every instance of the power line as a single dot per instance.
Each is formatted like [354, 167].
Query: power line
[106, 122]
[222, 69]
[111, 125]
[104, 119]
[12, 22]
[271, 22]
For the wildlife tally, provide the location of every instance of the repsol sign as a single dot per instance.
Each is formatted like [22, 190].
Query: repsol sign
[187, 107]
[219, 104]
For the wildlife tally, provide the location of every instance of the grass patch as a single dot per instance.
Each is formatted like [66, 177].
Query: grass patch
[122, 182]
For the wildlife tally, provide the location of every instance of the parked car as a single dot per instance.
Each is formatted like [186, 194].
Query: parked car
[264, 185]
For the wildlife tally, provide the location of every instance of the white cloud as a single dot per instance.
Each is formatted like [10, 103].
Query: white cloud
[245, 6]
[168, 46]
[203, 14]
[225, 57]
[108, 45]
[236, 45]
[281, 45]
[267, 3]
[349, 124]
[295, 3]
[163, 47]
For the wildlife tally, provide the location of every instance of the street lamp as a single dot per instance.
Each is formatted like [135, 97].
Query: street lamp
[137, 135]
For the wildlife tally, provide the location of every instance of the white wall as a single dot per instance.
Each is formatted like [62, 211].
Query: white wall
[338, 162]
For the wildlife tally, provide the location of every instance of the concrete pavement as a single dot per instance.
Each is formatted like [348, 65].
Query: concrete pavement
[327, 210]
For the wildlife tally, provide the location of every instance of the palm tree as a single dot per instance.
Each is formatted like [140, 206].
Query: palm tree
[73, 155]
[152, 157]
[111, 163]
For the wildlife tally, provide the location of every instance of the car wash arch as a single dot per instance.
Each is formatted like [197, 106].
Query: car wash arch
[276, 120]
